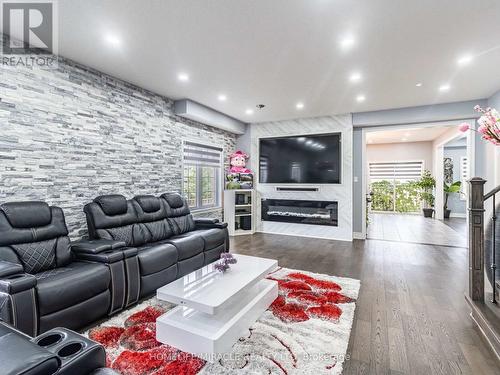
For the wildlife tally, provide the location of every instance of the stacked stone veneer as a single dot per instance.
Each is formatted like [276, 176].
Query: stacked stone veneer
[70, 134]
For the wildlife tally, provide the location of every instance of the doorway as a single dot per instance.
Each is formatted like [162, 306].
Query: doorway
[395, 158]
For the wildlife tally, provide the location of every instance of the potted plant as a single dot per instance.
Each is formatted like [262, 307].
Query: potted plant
[426, 184]
[453, 188]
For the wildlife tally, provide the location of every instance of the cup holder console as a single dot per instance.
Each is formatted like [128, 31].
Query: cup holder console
[69, 350]
[78, 354]
[51, 339]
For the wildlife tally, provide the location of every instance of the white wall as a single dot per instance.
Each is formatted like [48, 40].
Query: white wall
[331, 192]
[407, 151]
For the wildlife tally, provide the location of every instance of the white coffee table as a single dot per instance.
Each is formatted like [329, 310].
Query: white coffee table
[216, 309]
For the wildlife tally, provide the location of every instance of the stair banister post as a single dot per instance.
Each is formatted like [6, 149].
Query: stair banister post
[476, 239]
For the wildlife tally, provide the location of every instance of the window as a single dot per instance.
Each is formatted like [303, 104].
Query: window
[202, 175]
[394, 186]
[464, 176]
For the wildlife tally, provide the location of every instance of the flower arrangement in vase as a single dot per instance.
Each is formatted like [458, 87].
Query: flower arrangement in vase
[225, 260]
[489, 125]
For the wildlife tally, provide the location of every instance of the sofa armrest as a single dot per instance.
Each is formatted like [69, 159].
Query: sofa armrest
[205, 220]
[122, 262]
[18, 355]
[17, 283]
[109, 256]
[96, 246]
[8, 268]
[207, 223]
[18, 302]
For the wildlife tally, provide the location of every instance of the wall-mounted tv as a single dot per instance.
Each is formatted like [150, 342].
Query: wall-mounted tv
[308, 159]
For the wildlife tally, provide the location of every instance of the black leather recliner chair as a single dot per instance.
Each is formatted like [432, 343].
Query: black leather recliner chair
[170, 242]
[58, 351]
[45, 282]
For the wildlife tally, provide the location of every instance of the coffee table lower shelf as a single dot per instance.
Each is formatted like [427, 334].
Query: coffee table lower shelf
[208, 335]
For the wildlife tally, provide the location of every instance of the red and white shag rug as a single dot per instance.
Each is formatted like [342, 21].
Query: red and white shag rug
[305, 331]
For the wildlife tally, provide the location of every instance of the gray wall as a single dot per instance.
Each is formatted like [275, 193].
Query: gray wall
[455, 204]
[73, 133]
[421, 114]
[494, 100]
[487, 163]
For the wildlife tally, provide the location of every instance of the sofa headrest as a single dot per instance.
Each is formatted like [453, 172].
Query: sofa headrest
[148, 203]
[174, 200]
[113, 204]
[27, 214]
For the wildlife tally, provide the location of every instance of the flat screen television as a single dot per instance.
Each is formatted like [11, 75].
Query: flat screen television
[309, 159]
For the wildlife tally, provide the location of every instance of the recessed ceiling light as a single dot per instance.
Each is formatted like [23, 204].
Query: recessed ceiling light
[183, 77]
[309, 142]
[355, 77]
[404, 139]
[445, 87]
[249, 112]
[360, 98]
[301, 139]
[464, 60]
[347, 42]
[299, 105]
[222, 97]
[113, 40]
[419, 84]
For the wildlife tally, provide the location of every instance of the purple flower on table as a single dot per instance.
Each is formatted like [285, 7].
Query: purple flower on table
[226, 260]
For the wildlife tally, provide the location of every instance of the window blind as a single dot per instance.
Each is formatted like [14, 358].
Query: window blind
[202, 155]
[464, 176]
[396, 170]
[464, 169]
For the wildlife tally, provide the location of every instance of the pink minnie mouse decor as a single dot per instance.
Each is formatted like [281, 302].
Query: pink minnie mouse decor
[238, 161]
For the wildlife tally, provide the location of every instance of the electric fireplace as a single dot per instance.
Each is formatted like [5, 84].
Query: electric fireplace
[300, 211]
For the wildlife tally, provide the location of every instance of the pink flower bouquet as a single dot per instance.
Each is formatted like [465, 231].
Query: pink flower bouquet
[489, 125]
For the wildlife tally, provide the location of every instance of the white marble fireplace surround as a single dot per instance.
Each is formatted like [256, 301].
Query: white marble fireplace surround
[342, 193]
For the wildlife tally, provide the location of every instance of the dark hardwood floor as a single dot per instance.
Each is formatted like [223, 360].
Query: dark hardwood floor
[411, 315]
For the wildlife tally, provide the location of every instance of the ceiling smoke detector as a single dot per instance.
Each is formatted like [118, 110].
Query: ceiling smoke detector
[260, 106]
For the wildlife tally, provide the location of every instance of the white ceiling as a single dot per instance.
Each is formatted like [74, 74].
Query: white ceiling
[406, 135]
[280, 52]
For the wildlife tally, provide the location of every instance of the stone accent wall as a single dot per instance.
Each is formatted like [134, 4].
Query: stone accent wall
[70, 134]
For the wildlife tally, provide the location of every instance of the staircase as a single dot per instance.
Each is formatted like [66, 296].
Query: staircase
[484, 249]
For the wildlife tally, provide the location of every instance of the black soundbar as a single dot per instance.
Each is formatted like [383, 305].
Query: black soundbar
[297, 189]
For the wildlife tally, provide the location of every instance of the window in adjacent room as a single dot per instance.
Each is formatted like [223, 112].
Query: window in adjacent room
[202, 175]
[464, 176]
[394, 185]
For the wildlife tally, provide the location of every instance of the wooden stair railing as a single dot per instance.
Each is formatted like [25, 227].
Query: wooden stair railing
[485, 315]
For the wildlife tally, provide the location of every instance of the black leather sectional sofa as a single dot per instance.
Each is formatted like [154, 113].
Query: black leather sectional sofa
[135, 247]
[170, 243]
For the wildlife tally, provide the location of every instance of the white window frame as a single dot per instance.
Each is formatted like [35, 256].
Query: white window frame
[219, 176]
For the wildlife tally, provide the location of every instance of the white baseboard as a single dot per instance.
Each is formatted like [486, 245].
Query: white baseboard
[303, 235]
[454, 214]
[358, 236]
